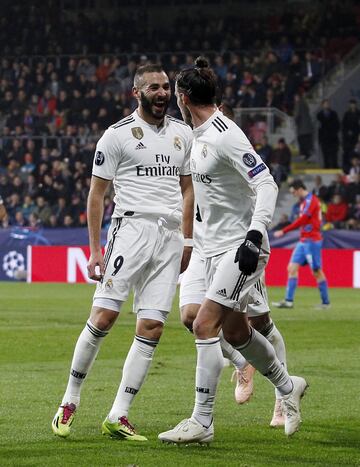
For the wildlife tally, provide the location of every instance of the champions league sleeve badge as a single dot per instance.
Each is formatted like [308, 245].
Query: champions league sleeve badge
[99, 158]
[249, 160]
[177, 143]
[137, 132]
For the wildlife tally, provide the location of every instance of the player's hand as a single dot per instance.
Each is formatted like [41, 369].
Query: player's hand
[278, 233]
[248, 252]
[96, 261]
[185, 258]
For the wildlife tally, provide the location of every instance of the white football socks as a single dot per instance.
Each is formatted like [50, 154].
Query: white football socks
[208, 370]
[261, 354]
[134, 372]
[86, 349]
[231, 353]
[273, 335]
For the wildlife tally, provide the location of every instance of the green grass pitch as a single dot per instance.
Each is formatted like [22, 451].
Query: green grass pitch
[39, 324]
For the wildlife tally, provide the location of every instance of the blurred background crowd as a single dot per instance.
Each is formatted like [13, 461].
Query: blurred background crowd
[65, 78]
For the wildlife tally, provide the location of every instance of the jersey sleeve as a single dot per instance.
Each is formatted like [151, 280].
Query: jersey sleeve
[107, 156]
[188, 138]
[237, 150]
[239, 153]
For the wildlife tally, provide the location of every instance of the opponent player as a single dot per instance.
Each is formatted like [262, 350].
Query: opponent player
[236, 196]
[308, 249]
[147, 157]
[192, 294]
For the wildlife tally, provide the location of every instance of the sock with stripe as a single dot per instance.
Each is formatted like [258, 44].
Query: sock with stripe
[86, 349]
[291, 288]
[134, 372]
[261, 354]
[231, 353]
[273, 335]
[324, 292]
[208, 370]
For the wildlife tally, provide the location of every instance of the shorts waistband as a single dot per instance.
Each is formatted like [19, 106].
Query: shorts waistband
[161, 221]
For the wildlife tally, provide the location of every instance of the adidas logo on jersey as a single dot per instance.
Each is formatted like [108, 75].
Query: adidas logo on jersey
[140, 146]
[221, 292]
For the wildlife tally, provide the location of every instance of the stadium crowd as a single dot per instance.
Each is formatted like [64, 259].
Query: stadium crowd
[55, 106]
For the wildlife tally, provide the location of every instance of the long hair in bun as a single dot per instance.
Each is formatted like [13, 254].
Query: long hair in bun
[201, 62]
[199, 82]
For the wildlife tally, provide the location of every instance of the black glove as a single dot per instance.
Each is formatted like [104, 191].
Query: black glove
[248, 252]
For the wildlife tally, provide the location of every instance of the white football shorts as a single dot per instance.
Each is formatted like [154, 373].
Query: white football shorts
[144, 255]
[193, 287]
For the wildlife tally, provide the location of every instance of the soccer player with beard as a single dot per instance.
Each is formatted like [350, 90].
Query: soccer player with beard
[146, 155]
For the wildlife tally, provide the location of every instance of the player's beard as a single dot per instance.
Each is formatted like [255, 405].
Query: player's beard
[149, 107]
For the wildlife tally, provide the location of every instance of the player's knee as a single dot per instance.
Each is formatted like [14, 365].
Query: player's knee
[149, 328]
[188, 314]
[188, 322]
[260, 323]
[103, 319]
[236, 337]
[203, 328]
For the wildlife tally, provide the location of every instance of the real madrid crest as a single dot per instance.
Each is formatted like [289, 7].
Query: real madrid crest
[109, 284]
[137, 132]
[204, 151]
[177, 143]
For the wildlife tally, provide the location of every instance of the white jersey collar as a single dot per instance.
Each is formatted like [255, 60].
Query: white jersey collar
[143, 122]
[204, 126]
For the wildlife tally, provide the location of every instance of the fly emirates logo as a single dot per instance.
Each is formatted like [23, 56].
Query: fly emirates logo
[162, 168]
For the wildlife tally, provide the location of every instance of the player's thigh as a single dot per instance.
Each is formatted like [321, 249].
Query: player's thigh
[209, 319]
[156, 285]
[127, 253]
[192, 289]
[313, 254]
[298, 258]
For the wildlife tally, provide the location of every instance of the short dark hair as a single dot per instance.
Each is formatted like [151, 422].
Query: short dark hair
[149, 68]
[296, 184]
[200, 83]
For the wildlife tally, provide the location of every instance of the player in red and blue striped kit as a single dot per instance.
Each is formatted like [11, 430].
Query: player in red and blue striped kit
[308, 249]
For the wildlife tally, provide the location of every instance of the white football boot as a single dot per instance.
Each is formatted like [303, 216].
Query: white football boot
[188, 431]
[291, 405]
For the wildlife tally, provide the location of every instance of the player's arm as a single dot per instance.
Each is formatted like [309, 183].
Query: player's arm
[188, 216]
[299, 222]
[237, 149]
[106, 160]
[95, 211]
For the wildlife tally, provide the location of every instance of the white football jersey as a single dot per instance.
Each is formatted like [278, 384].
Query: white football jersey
[145, 164]
[227, 173]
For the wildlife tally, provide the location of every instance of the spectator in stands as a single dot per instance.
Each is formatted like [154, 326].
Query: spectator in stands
[353, 222]
[42, 210]
[350, 129]
[352, 189]
[4, 218]
[304, 126]
[311, 70]
[19, 220]
[28, 206]
[329, 134]
[320, 190]
[354, 169]
[264, 149]
[280, 162]
[336, 213]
